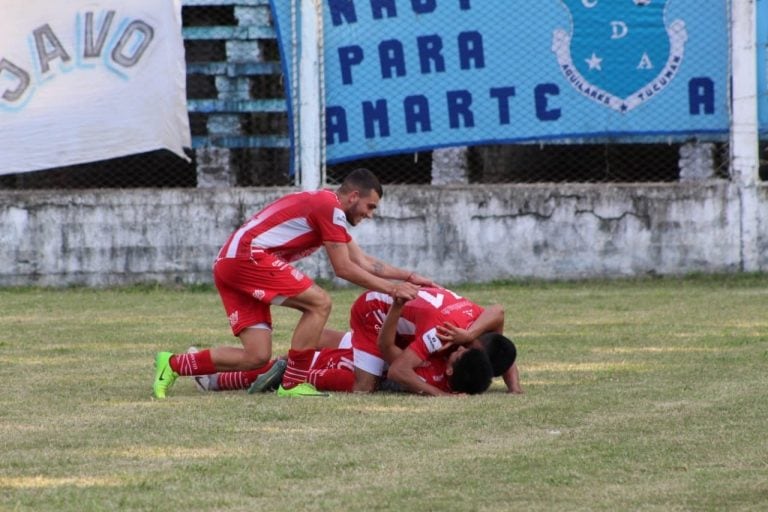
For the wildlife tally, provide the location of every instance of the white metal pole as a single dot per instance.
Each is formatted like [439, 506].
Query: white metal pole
[744, 141]
[310, 129]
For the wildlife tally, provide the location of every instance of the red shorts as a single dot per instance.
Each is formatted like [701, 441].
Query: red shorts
[334, 359]
[247, 287]
[365, 319]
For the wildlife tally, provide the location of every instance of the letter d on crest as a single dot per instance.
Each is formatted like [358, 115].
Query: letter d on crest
[619, 29]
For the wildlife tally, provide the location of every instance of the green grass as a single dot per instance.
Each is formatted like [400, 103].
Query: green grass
[640, 395]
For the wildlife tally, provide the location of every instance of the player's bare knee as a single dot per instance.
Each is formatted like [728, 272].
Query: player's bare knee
[254, 361]
[323, 304]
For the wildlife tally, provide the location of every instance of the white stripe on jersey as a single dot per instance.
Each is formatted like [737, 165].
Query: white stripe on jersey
[380, 316]
[383, 297]
[232, 249]
[314, 358]
[346, 340]
[284, 232]
[404, 326]
[273, 207]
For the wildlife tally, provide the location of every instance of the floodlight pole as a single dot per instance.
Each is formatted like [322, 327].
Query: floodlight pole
[744, 139]
[310, 99]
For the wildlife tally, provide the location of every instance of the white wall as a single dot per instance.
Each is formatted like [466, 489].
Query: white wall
[473, 233]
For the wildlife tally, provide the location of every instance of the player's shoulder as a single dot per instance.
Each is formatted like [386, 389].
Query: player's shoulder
[324, 203]
[374, 298]
[325, 196]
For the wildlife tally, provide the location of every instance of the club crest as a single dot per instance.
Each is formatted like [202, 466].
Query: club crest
[619, 53]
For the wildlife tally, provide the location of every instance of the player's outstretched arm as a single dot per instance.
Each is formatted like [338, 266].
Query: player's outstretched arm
[385, 270]
[402, 371]
[490, 320]
[345, 268]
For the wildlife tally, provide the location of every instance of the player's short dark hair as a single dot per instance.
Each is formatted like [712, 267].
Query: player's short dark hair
[362, 180]
[501, 351]
[472, 372]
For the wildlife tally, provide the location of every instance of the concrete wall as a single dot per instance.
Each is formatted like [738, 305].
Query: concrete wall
[474, 233]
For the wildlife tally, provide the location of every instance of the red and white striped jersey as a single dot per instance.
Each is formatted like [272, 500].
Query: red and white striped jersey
[433, 307]
[291, 227]
[417, 325]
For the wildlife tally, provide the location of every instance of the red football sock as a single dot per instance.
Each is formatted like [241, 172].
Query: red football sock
[299, 362]
[227, 381]
[332, 379]
[231, 380]
[196, 363]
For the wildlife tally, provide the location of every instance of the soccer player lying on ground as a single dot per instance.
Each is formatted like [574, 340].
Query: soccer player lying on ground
[468, 369]
[333, 368]
[501, 352]
[436, 317]
[253, 271]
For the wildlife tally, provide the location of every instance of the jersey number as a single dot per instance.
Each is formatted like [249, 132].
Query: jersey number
[436, 300]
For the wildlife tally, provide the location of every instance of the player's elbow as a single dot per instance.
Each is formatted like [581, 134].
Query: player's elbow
[344, 270]
[498, 314]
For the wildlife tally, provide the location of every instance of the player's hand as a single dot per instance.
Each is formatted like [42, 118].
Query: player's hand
[399, 302]
[420, 280]
[450, 333]
[407, 291]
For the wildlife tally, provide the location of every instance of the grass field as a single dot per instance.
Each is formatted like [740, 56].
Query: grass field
[640, 395]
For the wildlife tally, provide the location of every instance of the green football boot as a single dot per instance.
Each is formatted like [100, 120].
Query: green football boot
[303, 389]
[164, 375]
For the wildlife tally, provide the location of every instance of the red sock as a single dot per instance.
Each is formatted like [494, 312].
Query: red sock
[299, 362]
[332, 379]
[227, 381]
[230, 380]
[196, 363]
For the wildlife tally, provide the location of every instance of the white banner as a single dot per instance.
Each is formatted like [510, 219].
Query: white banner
[88, 80]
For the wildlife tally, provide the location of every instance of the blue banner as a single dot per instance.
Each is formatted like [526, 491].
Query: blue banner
[762, 65]
[409, 75]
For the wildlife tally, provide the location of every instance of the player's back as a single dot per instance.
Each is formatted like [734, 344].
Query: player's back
[434, 306]
[290, 227]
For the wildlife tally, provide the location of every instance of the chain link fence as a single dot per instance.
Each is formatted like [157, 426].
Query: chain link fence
[241, 131]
